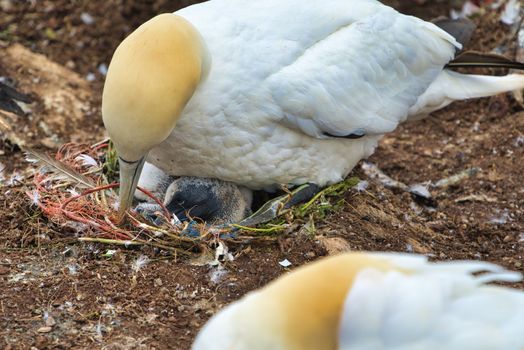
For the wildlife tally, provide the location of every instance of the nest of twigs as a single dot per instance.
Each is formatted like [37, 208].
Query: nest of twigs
[74, 188]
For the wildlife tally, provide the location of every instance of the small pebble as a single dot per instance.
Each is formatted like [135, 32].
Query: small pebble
[45, 329]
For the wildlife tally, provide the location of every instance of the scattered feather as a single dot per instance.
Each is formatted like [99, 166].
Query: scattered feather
[454, 179]
[139, 263]
[362, 186]
[420, 190]
[73, 269]
[54, 166]
[34, 195]
[501, 219]
[87, 18]
[519, 141]
[216, 275]
[73, 191]
[87, 160]
[285, 263]
[100, 329]
[372, 171]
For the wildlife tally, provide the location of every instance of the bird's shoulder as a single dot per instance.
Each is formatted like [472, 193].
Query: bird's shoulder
[272, 32]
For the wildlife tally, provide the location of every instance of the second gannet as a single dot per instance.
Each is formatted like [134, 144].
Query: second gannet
[372, 301]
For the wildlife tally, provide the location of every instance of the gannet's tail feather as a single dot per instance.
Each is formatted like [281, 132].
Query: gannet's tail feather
[452, 86]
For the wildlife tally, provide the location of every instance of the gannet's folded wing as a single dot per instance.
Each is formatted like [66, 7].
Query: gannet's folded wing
[363, 78]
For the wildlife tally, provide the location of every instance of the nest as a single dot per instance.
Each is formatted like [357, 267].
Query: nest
[74, 189]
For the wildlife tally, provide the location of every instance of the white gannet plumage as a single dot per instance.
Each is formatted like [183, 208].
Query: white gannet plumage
[370, 301]
[285, 74]
[287, 92]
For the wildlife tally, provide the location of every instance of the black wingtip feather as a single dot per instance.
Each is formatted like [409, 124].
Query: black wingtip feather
[471, 59]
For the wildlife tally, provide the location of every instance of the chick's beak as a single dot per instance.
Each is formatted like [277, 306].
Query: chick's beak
[129, 175]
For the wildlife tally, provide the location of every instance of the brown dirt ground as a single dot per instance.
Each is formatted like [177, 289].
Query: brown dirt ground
[89, 300]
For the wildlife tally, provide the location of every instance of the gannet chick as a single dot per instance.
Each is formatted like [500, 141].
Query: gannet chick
[261, 93]
[214, 201]
[371, 301]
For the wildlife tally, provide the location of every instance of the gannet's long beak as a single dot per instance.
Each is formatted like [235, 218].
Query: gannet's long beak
[129, 175]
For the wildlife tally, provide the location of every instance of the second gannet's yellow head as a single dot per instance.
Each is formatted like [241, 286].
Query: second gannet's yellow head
[152, 75]
[299, 311]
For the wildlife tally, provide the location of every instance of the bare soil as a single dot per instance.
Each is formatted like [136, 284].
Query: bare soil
[57, 293]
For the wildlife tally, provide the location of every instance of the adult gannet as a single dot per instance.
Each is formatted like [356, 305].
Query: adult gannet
[363, 301]
[276, 91]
